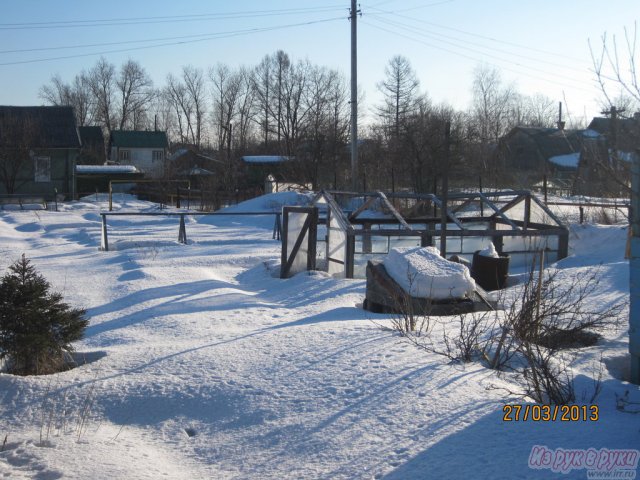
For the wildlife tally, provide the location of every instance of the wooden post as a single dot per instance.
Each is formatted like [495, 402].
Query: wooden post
[178, 197]
[481, 202]
[110, 196]
[350, 255]
[182, 231]
[104, 241]
[445, 192]
[313, 240]
[277, 227]
[366, 238]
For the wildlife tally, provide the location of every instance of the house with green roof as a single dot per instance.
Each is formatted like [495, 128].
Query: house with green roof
[147, 151]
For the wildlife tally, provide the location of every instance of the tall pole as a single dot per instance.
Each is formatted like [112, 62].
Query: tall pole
[445, 191]
[354, 95]
[634, 276]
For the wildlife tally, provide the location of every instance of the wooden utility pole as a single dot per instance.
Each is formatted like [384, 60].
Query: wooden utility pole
[354, 94]
[613, 113]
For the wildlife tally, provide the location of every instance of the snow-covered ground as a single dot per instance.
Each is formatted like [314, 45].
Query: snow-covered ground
[200, 363]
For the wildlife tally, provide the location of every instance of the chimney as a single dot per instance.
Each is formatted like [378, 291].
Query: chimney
[560, 123]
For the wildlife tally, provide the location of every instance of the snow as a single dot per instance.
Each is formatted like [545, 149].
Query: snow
[265, 159]
[489, 251]
[423, 273]
[85, 169]
[571, 160]
[200, 363]
[590, 133]
[272, 202]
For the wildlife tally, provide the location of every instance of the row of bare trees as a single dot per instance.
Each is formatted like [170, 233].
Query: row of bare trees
[410, 127]
[296, 108]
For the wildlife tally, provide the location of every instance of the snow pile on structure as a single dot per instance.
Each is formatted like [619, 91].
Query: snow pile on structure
[423, 273]
[490, 251]
[272, 202]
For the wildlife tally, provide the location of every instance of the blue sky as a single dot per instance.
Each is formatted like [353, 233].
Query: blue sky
[541, 46]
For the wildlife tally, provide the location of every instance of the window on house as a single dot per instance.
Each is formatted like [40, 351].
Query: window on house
[42, 169]
[158, 155]
[124, 155]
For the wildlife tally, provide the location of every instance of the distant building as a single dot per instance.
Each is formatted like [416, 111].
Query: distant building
[147, 151]
[202, 171]
[39, 147]
[93, 150]
[256, 169]
[572, 161]
[535, 152]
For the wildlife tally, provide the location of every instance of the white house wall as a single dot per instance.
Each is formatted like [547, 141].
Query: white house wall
[142, 159]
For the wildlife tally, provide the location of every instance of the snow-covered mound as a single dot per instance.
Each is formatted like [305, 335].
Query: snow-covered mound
[271, 202]
[423, 273]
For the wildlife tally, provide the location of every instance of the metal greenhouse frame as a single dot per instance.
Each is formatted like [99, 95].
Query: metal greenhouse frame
[360, 227]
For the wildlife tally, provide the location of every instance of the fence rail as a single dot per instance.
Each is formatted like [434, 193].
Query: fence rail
[182, 230]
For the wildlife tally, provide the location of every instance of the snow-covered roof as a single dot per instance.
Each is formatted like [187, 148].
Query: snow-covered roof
[265, 159]
[106, 169]
[569, 160]
[590, 133]
[195, 171]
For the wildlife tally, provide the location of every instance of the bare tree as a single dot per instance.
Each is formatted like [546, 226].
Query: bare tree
[162, 113]
[400, 90]
[226, 92]
[195, 89]
[535, 110]
[175, 94]
[135, 92]
[77, 95]
[246, 108]
[492, 104]
[616, 70]
[262, 87]
[102, 82]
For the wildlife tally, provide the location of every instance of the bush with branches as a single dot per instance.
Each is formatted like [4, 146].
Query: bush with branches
[36, 327]
[546, 315]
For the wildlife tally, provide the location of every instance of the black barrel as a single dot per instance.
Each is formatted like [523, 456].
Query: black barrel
[489, 272]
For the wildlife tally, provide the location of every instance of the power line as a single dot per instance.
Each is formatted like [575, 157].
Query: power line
[456, 42]
[164, 19]
[476, 35]
[476, 59]
[213, 36]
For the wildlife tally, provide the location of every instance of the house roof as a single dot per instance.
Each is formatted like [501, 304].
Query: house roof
[558, 146]
[139, 139]
[628, 130]
[603, 125]
[91, 135]
[46, 127]
[186, 153]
